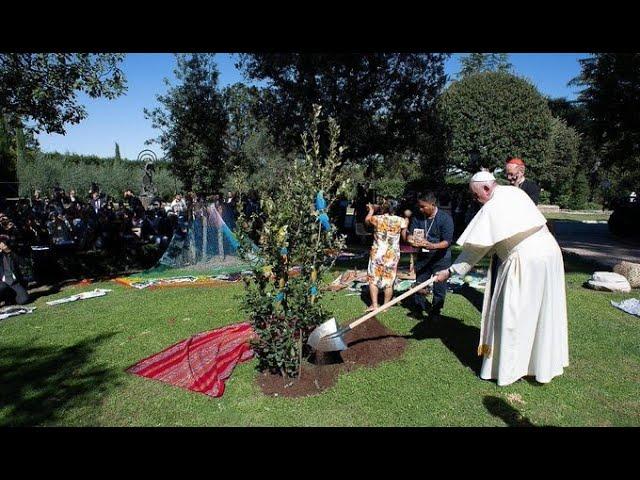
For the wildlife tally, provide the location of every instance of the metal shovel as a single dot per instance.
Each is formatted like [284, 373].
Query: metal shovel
[328, 338]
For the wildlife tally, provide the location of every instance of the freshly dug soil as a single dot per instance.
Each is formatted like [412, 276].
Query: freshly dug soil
[369, 344]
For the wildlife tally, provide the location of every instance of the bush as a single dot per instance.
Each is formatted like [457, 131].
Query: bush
[593, 206]
[580, 192]
[41, 171]
[545, 197]
[496, 115]
[393, 187]
[283, 308]
[559, 170]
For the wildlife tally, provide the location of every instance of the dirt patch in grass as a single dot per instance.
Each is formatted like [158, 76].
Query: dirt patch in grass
[369, 344]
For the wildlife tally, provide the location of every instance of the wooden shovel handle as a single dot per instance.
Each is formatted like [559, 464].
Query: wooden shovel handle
[406, 294]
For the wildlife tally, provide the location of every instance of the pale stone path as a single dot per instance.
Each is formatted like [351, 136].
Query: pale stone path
[593, 241]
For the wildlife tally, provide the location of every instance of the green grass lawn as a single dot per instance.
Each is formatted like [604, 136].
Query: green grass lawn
[64, 365]
[577, 216]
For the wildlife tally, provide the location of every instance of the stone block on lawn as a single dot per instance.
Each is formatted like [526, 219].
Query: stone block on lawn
[630, 271]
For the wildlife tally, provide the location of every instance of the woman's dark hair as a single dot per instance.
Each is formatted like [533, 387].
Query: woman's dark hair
[386, 207]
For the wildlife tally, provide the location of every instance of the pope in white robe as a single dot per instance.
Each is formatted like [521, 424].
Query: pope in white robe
[524, 321]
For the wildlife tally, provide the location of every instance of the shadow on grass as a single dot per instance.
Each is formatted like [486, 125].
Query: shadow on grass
[459, 338]
[43, 291]
[511, 416]
[39, 384]
[474, 296]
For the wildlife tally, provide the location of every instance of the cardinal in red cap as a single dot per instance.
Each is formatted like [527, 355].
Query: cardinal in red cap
[515, 161]
[515, 174]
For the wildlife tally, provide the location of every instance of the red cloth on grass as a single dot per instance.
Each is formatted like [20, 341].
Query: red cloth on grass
[201, 363]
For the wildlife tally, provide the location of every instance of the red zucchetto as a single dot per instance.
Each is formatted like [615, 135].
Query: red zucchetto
[515, 161]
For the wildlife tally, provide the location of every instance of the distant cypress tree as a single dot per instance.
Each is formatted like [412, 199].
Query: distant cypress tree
[484, 62]
[117, 155]
[580, 194]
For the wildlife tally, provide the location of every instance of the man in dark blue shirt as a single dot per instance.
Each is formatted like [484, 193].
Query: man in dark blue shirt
[431, 230]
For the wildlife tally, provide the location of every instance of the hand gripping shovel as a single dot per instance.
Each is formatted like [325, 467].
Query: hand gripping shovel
[328, 338]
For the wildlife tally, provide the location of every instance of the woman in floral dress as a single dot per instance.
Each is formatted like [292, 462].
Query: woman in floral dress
[385, 251]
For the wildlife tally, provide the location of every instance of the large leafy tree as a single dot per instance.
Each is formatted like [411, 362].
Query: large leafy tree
[380, 100]
[192, 123]
[611, 95]
[576, 116]
[484, 62]
[252, 153]
[240, 102]
[42, 87]
[489, 116]
[560, 168]
[7, 160]
[40, 90]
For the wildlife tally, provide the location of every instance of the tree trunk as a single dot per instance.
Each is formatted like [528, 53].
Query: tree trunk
[8, 173]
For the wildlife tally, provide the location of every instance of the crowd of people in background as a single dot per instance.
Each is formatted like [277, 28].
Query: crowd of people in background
[96, 221]
[67, 222]
[93, 222]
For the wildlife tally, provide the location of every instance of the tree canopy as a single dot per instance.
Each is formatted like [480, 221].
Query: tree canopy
[611, 97]
[489, 116]
[193, 123]
[484, 62]
[381, 100]
[43, 87]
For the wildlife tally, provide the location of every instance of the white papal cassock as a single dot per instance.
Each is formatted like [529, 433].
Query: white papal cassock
[524, 321]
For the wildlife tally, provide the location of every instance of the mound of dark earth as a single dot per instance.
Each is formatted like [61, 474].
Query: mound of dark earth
[369, 344]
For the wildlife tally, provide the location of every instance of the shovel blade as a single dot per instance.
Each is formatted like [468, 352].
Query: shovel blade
[327, 328]
[332, 343]
[324, 338]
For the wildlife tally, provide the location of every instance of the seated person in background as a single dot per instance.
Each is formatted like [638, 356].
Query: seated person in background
[10, 276]
[59, 229]
[178, 205]
[72, 196]
[131, 200]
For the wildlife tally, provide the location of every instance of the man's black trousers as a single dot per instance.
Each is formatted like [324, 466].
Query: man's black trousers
[22, 296]
[424, 270]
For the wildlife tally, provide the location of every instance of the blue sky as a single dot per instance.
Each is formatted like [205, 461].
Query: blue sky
[122, 120]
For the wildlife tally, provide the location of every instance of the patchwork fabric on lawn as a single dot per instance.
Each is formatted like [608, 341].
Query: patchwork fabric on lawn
[98, 292]
[346, 279]
[356, 280]
[201, 363]
[403, 285]
[14, 310]
[475, 279]
[233, 277]
[155, 282]
[631, 306]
